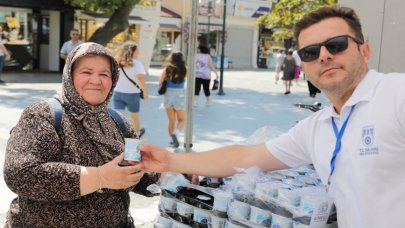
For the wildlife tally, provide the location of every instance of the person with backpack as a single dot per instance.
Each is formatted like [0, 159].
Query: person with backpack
[66, 165]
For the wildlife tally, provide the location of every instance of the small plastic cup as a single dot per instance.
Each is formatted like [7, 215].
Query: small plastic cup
[168, 203]
[184, 209]
[163, 222]
[202, 216]
[221, 200]
[238, 209]
[132, 151]
[260, 216]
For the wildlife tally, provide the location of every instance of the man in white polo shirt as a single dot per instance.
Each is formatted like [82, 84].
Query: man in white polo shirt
[357, 145]
[69, 45]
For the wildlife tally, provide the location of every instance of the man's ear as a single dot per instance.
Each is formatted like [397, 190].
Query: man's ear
[365, 52]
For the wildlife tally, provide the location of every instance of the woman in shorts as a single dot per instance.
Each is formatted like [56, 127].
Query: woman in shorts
[174, 73]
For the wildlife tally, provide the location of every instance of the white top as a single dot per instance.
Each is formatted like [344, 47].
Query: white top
[296, 58]
[280, 58]
[68, 46]
[368, 183]
[126, 86]
[202, 69]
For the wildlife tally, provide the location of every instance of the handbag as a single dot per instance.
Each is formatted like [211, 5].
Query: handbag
[215, 85]
[163, 88]
[133, 82]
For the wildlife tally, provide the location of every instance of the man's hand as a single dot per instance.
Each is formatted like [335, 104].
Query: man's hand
[155, 159]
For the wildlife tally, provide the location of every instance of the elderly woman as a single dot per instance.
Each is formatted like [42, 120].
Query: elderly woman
[71, 177]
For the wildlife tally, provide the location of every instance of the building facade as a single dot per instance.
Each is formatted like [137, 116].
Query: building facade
[32, 32]
[242, 35]
[384, 28]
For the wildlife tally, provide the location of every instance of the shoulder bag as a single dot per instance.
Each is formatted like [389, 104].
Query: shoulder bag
[133, 82]
[163, 87]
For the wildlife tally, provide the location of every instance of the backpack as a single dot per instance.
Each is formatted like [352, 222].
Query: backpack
[56, 111]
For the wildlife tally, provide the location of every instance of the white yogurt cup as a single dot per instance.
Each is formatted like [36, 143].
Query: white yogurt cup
[163, 222]
[281, 221]
[260, 216]
[217, 222]
[132, 150]
[289, 195]
[238, 210]
[168, 203]
[184, 209]
[221, 200]
[201, 215]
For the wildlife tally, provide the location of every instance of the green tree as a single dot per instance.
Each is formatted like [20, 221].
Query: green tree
[118, 12]
[286, 13]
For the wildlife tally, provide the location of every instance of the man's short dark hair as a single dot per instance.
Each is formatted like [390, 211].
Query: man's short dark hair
[323, 13]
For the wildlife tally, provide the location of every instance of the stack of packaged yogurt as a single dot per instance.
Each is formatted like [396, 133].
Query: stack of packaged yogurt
[251, 198]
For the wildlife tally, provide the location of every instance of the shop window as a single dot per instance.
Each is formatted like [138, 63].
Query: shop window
[17, 37]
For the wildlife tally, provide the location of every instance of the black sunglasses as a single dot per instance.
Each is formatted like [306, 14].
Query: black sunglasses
[333, 45]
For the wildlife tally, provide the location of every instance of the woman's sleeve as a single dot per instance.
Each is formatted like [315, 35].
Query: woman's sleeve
[32, 165]
[146, 180]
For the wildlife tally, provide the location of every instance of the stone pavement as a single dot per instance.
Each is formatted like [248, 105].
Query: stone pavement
[251, 100]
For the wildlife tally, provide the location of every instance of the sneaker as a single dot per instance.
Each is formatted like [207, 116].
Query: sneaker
[141, 132]
[175, 141]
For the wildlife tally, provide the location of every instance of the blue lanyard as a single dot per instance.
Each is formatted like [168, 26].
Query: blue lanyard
[339, 135]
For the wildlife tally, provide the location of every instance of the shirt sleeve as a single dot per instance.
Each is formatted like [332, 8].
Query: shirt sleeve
[139, 69]
[292, 147]
[63, 50]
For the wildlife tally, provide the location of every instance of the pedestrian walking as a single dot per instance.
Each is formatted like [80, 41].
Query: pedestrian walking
[203, 66]
[69, 45]
[297, 72]
[279, 63]
[288, 71]
[70, 176]
[174, 75]
[356, 144]
[4, 55]
[131, 83]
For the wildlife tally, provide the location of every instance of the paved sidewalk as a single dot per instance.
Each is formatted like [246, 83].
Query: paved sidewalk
[252, 100]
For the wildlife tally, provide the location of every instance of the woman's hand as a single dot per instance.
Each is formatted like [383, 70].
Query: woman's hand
[155, 159]
[114, 176]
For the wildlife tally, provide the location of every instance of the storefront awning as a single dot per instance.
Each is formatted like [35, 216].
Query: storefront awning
[103, 18]
[169, 28]
[203, 27]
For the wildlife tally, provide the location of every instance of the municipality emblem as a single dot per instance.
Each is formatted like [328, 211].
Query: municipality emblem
[368, 136]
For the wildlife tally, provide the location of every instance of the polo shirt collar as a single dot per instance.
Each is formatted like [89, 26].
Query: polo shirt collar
[363, 93]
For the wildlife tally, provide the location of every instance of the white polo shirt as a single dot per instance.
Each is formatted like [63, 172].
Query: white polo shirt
[369, 179]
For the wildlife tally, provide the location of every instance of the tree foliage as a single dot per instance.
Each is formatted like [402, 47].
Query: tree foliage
[117, 11]
[105, 6]
[286, 13]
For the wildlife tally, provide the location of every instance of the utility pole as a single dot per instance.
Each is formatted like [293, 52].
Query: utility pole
[221, 76]
[192, 47]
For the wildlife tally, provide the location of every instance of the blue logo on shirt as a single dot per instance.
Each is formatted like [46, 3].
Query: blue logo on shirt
[369, 148]
[368, 136]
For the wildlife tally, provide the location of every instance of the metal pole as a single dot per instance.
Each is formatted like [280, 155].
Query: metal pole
[221, 76]
[192, 47]
[208, 26]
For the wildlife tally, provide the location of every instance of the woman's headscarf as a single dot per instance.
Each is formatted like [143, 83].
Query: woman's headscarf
[95, 119]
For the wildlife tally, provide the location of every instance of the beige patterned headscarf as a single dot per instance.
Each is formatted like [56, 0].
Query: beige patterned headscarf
[95, 119]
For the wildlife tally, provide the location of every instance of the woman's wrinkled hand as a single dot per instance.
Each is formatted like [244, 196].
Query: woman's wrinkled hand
[114, 176]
